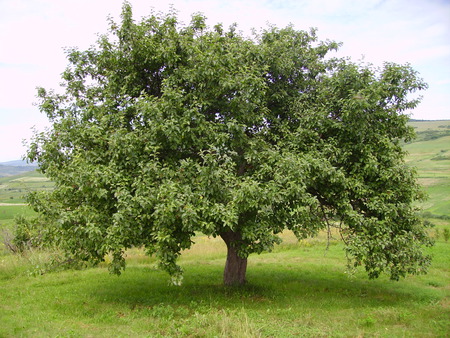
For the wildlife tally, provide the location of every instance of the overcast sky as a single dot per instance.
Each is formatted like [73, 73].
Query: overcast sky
[33, 34]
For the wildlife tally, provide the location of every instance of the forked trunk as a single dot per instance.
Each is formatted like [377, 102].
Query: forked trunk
[235, 266]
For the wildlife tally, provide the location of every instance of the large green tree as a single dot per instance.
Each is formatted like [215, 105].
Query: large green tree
[163, 131]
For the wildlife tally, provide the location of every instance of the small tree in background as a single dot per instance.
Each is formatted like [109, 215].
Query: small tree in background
[166, 130]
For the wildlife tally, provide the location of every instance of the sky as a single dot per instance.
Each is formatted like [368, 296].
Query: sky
[35, 33]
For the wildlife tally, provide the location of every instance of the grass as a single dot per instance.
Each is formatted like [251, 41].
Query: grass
[8, 212]
[435, 125]
[300, 289]
[434, 174]
[430, 130]
[14, 188]
[294, 291]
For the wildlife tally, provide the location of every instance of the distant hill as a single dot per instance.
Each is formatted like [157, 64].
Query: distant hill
[430, 130]
[12, 168]
[415, 120]
[18, 163]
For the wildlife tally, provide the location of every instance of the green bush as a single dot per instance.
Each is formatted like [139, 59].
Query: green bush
[446, 234]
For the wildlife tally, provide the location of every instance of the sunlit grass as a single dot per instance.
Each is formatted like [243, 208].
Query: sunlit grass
[300, 289]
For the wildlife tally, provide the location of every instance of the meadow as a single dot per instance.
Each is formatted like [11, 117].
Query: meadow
[300, 289]
[430, 154]
[14, 188]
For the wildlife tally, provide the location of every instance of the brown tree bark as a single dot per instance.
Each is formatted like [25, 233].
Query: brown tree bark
[235, 266]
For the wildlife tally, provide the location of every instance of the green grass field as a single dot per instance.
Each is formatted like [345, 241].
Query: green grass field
[300, 289]
[14, 188]
[430, 130]
[435, 125]
[431, 157]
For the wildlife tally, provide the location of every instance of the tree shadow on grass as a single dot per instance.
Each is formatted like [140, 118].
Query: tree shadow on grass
[267, 287]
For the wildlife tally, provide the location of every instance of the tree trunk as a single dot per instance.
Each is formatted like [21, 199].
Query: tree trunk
[235, 266]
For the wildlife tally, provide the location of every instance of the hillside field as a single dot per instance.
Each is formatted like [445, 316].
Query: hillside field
[430, 154]
[14, 188]
[300, 289]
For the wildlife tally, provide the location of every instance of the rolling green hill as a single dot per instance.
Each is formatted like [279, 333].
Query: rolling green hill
[430, 130]
[14, 188]
[430, 154]
[12, 170]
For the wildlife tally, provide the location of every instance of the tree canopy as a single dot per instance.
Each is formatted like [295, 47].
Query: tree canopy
[165, 130]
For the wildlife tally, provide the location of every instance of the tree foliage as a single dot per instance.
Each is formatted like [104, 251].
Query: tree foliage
[165, 130]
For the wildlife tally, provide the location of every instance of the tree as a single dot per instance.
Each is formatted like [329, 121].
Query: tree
[164, 130]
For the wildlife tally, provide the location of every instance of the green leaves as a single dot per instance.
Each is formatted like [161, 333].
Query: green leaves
[164, 131]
